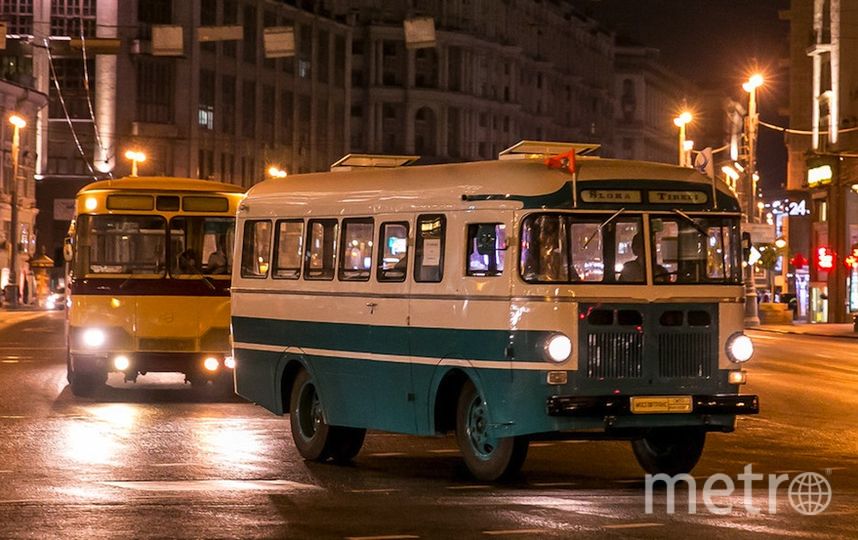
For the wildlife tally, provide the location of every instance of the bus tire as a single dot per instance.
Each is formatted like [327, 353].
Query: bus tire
[310, 433]
[669, 450]
[488, 458]
[344, 443]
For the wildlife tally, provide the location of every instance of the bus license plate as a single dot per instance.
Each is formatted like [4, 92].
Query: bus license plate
[661, 404]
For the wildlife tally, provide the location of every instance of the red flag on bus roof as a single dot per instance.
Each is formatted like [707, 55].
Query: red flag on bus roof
[562, 161]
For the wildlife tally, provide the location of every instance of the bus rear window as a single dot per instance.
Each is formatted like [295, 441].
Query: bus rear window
[205, 204]
[256, 249]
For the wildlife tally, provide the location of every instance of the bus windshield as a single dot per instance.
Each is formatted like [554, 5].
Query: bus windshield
[120, 244]
[582, 248]
[201, 245]
[696, 249]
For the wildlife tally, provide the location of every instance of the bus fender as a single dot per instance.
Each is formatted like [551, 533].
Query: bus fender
[292, 360]
[442, 372]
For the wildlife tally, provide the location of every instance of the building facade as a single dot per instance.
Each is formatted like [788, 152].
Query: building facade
[499, 72]
[823, 155]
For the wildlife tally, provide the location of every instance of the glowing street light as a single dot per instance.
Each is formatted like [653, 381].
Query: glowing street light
[136, 157]
[18, 123]
[276, 172]
[681, 121]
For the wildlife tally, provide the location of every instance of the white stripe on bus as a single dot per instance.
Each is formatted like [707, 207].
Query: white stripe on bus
[401, 359]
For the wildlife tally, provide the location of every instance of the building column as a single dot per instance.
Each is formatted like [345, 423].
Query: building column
[104, 154]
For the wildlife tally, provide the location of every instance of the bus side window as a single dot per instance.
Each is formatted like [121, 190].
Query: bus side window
[487, 246]
[288, 249]
[256, 249]
[356, 250]
[393, 251]
[429, 248]
[321, 251]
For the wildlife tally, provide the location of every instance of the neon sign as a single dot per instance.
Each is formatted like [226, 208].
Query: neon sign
[825, 259]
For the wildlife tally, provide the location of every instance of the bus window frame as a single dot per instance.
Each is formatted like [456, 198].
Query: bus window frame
[379, 272]
[244, 248]
[92, 275]
[418, 247]
[308, 249]
[365, 220]
[275, 255]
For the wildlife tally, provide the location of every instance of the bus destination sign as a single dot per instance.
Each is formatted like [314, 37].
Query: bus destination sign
[672, 197]
[611, 196]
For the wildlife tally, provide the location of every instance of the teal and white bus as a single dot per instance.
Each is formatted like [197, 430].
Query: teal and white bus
[504, 301]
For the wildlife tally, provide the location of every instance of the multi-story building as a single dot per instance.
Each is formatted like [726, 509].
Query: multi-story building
[519, 70]
[212, 109]
[17, 98]
[823, 154]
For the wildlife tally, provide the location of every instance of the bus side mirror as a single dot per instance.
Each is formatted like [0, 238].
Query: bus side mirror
[746, 246]
[487, 239]
[68, 250]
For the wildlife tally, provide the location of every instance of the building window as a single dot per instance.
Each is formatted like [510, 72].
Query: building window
[19, 16]
[154, 91]
[268, 114]
[228, 104]
[305, 51]
[286, 118]
[152, 12]
[207, 99]
[323, 62]
[250, 34]
[69, 75]
[69, 16]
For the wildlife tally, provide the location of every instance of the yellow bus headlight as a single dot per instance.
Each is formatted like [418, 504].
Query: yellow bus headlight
[94, 337]
[211, 363]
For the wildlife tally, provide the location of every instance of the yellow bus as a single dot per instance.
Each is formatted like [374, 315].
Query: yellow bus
[150, 260]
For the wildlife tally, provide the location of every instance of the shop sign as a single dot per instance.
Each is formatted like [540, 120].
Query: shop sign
[825, 258]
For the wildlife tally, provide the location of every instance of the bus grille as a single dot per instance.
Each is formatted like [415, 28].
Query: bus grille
[167, 344]
[614, 355]
[685, 355]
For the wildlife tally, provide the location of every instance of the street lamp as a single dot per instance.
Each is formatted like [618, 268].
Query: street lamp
[136, 157]
[752, 317]
[18, 123]
[681, 121]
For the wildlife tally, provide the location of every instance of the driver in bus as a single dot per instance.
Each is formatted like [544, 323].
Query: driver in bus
[633, 270]
[218, 263]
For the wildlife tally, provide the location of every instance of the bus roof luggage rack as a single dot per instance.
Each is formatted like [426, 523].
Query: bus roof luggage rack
[360, 161]
[540, 149]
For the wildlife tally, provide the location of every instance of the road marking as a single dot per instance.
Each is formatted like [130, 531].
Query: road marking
[213, 485]
[552, 484]
[470, 486]
[12, 417]
[541, 444]
[25, 348]
[378, 490]
[633, 525]
[386, 454]
[444, 451]
[385, 537]
[510, 532]
[179, 465]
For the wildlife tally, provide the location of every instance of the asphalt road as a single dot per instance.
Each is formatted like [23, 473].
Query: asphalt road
[157, 459]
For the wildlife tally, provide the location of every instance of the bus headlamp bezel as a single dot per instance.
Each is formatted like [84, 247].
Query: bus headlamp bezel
[558, 348]
[733, 341]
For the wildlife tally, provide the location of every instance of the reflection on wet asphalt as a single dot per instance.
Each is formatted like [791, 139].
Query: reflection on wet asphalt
[161, 459]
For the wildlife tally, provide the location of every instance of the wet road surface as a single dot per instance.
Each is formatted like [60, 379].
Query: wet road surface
[158, 459]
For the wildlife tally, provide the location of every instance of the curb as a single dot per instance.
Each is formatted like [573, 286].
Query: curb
[812, 334]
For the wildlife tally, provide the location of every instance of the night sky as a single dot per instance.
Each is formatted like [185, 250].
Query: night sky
[715, 43]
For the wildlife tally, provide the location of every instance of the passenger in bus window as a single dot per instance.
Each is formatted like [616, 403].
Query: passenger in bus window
[188, 262]
[218, 262]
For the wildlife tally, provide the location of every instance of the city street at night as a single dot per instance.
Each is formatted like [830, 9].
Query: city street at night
[159, 459]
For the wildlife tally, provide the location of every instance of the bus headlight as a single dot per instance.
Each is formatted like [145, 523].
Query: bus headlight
[121, 362]
[211, 363]
[229, 362]
[94, 338]
[558, 348]
[740, 348]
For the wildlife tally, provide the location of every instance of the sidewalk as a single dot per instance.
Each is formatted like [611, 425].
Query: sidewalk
[835, 330]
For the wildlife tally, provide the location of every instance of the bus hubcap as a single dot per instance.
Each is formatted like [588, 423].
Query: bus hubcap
[482, 443]
[310, 412]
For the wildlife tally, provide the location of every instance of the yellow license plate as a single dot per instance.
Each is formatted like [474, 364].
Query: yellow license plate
[661, 404]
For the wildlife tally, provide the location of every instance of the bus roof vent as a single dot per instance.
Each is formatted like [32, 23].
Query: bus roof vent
[540, 149]
[362, 161]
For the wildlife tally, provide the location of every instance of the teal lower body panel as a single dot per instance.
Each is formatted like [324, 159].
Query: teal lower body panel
[257, 378]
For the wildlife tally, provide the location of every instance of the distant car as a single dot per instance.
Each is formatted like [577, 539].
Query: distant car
[56, 300]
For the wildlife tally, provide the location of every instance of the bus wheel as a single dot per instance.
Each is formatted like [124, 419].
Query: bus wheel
[487, 457]
[344, 443]
[309, 430]
[669, 450]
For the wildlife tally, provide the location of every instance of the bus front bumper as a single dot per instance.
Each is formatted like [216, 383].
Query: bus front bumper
[603, 406]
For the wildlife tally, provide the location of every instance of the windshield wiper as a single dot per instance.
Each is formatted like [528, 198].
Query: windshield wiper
[602, 226]
[690, 220]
